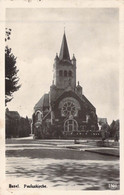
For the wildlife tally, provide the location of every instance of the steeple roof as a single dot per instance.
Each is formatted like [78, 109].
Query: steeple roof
[64, 52]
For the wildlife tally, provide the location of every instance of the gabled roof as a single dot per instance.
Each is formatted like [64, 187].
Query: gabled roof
[64, 52]
[12, 114]
[85, 99]
[43, 102]
[71, 93]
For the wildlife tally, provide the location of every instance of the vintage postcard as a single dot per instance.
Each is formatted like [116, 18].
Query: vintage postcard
[62, 86]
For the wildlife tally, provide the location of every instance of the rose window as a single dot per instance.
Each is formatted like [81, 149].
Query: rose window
[69, 109]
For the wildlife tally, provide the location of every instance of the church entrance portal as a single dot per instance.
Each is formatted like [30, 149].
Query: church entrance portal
[70, 125]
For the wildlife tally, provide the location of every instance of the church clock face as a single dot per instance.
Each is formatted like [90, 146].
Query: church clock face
[69, 107]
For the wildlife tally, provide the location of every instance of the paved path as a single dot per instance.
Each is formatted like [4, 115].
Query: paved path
[54, 164]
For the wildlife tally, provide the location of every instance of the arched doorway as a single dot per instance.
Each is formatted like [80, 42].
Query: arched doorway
[70, 125]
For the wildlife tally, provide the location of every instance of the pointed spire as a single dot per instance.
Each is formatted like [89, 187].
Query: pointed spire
[64, 53]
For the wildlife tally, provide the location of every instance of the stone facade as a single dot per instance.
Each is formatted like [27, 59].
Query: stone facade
[64, 111]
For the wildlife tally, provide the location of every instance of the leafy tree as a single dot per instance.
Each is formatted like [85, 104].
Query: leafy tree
[24, 127]
[105, 131]
[28, 126]
[114, 130]
[11, 78]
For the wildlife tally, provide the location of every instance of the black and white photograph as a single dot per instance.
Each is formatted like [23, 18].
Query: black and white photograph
[62, 120]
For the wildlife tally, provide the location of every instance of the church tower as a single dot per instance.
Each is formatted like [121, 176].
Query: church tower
[64, 68]
[64, 111]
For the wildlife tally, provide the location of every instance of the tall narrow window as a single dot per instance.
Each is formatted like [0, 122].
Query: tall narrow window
[70, 73]
[60, 73]
[38, 115]
[65, 73]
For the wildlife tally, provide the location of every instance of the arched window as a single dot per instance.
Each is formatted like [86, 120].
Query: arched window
[65, 73]
[60, 73]
[38, 115]
[70, 73]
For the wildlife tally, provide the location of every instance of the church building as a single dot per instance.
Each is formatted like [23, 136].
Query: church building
[64, 111]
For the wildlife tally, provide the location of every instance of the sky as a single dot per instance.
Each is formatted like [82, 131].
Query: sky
[92, 35]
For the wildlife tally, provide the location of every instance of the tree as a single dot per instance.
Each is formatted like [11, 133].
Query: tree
[11, 78]
[105, 131]
[24, 127]
[114, 130]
